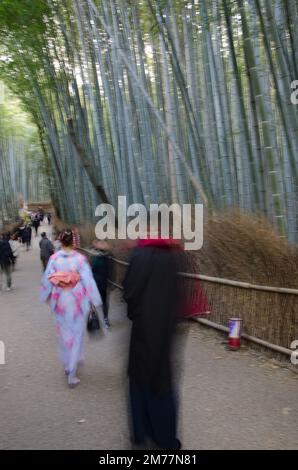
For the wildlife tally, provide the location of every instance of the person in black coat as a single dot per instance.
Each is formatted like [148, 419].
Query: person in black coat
[153, 301]
[6, 260]
[100, 271]
[26, 236]
[46, 250]
[36, 223]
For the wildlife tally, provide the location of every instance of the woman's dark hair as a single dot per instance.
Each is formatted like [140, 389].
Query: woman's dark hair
[66, 237]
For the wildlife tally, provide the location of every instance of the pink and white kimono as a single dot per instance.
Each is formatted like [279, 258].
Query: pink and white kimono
[70, 306]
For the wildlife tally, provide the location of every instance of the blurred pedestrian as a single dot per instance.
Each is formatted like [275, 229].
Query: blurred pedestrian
[57, 243]
[36, 223]
[27, 236]
[20, 232]
[6, 260]
[49, 217]
[46, 250]
[152, 296]
[14, 245]
[100, 270]
[70, 289]
[40, 214]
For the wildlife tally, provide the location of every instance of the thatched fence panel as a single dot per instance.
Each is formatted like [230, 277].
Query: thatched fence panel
[268, 313]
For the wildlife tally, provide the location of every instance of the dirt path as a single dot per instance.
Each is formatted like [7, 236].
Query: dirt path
[228, 400]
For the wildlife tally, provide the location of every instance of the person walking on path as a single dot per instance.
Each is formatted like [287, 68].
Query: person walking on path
[49, 217]
[57, 244]
[12, 239]
[6, 260]
[26, 236]
[100, 270]
[40, 214]
[152, 296]
[69, 288]
[46, 250]
[36, 223]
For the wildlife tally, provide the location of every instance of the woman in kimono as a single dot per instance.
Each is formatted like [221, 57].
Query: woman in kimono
[69, 288]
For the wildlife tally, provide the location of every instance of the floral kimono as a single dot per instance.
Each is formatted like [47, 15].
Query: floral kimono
[70, 306]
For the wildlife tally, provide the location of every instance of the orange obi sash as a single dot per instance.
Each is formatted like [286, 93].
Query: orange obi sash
[66, 280]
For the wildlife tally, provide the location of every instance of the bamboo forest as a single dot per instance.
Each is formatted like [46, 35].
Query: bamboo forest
[161, 101]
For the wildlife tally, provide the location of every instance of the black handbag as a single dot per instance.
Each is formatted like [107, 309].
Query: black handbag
[93, 321]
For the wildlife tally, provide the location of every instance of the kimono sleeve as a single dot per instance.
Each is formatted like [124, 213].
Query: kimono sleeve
[89, 283]
[46, 285]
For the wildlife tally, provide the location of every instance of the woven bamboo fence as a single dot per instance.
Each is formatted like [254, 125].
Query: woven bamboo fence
[268, 313]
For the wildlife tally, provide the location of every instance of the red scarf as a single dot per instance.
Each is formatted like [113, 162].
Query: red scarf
[167, 243]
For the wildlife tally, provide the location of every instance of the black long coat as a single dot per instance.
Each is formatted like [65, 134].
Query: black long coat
[26, 234]
[6, 255]
[152, 296]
